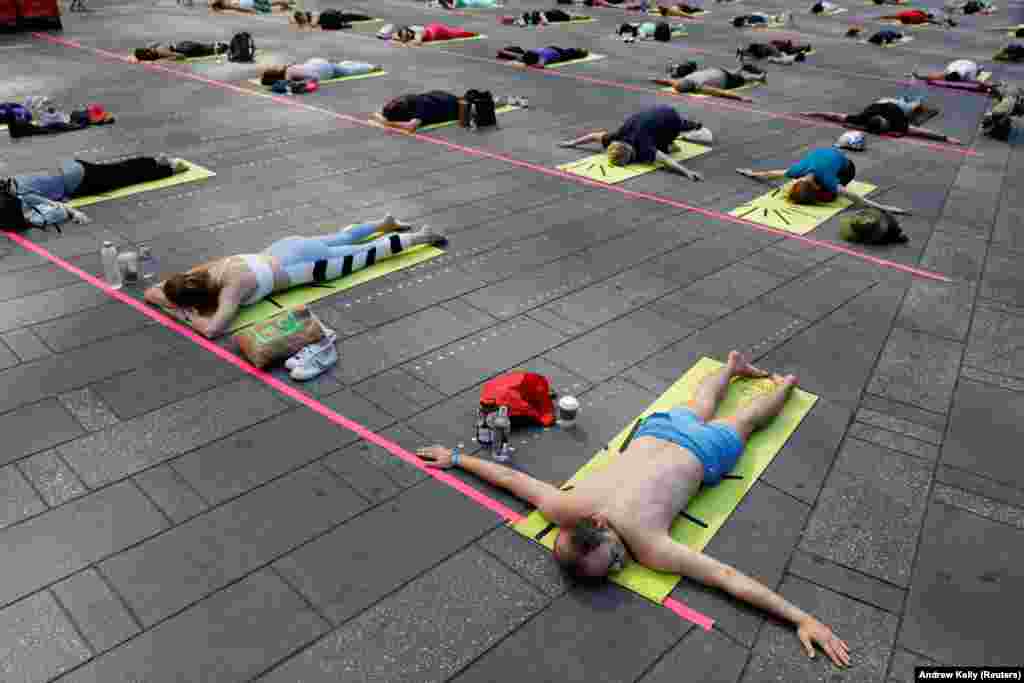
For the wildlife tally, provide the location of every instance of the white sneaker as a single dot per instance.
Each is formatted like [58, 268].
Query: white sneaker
[307, 352]
[316, 364]
[701, 135]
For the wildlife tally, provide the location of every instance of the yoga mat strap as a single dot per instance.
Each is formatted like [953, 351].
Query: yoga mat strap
[320, 271]
[632, 433]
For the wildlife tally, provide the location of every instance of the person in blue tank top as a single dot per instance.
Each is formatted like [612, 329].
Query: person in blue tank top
[821, 176]
[647, 137]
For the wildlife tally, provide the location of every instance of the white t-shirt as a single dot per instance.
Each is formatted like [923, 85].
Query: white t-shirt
[967, 69]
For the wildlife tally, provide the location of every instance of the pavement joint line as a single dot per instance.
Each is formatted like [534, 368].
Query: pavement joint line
[395, 449]
[708, 213]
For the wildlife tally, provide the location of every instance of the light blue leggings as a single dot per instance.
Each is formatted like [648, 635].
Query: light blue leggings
[315, 259]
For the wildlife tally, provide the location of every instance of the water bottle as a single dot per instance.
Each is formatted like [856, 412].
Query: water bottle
[484, 433]
[128, 264]
[502, 427]
[110, 267]
[147, 264]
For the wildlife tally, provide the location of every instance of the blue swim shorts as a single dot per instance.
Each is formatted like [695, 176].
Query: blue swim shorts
[717, 446]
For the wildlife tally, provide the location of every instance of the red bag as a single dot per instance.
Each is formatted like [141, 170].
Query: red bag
[526, 394]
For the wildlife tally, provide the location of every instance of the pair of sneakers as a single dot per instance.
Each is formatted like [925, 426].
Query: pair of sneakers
[314, 360]
[510, 101]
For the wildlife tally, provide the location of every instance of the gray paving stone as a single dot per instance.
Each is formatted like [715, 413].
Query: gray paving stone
[529, 560]
[464, 363]
[529, 290]
[428, 630]
[38, 640]
[601, 634]
[399, 471]
[89, 409]
[62, 541]
[164, 381]
[35, 428]
[869, 632]
[723, 292]
[366, 479]
[236, 634]
[903, 417]
[918, 369]
[7, 357]
[701, 656]
[959, 255]
[35, 280]
[398, 393]
[423, 526]
[610, 349]
[131, 446]
[170, 493]
[99, 614]
[757, 539]
[870, 512]
[895, 441]
[169, 572]
[54, 480]
[390, 345]
[25, 344]
[801, 466]
[939, 308]
[88, 326]
[979, 505]
[783, 262]
[617, 296]
[957, 610]
[988, 488]
[818, 293]
[901, 667]
[1001, 280]
[992, 345]
[847, 582]
[37, 308]
[17, 498]
[983, 415]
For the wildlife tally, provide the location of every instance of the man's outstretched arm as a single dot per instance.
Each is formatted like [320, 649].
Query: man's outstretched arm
[668, 556]
[542, 495]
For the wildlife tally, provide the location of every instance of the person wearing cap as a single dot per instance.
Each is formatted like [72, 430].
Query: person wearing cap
[43, 196]
[821, 176]
[621, 513]
[888, 115]
[647, 137]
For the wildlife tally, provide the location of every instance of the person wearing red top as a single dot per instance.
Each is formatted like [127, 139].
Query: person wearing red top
[430, 33]
[914, 17]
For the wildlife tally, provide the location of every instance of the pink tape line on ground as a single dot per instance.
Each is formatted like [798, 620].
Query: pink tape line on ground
[269, 380]
[296, 395]
[526, 164]
[689, 614]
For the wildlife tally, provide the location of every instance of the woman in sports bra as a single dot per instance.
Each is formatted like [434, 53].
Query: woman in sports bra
[209, 295]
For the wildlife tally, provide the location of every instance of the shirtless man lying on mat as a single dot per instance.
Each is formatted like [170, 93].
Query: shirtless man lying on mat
[623, 512]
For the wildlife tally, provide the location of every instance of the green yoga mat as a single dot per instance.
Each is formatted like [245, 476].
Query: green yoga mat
[193, 174]
[309, 293]
[712, 505]
[330, 81]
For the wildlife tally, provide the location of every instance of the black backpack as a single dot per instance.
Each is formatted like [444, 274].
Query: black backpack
[972, 7]
[242, 48]
[481, 108]
[332, 20]
[663, 32]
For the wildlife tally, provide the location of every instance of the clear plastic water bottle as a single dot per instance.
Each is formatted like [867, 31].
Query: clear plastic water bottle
[111, 269]
[128, 264]
[147, 264]
[502, 426]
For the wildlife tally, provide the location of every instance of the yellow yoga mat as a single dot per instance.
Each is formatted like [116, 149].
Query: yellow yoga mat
[305, 294]
[195, 172]
[330, 81]
[775, 211]
[596, 166]
[742, 88]
[712, 505]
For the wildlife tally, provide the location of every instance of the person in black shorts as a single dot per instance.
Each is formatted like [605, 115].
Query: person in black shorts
[886, 116]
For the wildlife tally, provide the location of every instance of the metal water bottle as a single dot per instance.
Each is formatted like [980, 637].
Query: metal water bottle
[484, 433]
[502, 427]
[147, 264]
[111, 269]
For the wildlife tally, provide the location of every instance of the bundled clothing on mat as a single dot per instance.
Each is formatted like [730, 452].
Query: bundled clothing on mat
[542, 56]
[871, 226]
[775, 48]
[885, 37]
[997, 122]
[40, 197]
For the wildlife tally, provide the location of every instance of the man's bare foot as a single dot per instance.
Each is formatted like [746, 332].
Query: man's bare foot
[739, 366]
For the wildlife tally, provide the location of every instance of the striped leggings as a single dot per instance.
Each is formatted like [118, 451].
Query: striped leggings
[316, 259]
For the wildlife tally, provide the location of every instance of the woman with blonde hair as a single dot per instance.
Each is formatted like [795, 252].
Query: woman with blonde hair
[209, 295]
[647, 137]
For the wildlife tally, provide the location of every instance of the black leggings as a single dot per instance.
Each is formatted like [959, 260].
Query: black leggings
[100, 178]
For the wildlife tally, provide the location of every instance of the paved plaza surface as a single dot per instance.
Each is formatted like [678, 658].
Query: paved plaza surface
[166, 516]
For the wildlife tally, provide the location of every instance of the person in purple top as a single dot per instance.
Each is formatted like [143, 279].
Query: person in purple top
[647, 137]
[542, 56]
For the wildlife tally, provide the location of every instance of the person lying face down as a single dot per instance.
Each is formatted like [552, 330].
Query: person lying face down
[317, 69]
[208, 296]
[622, 513]
[542, 56]
[647, 137]
[330, 19]
[431, 33]
[185, 49]
[471, 4]
[886, 116]
[821, 176]
[248, 6]
[678, 10]
[714, 81]
[41, 197]
[962, 74]
[916, 17]
[409, 112]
